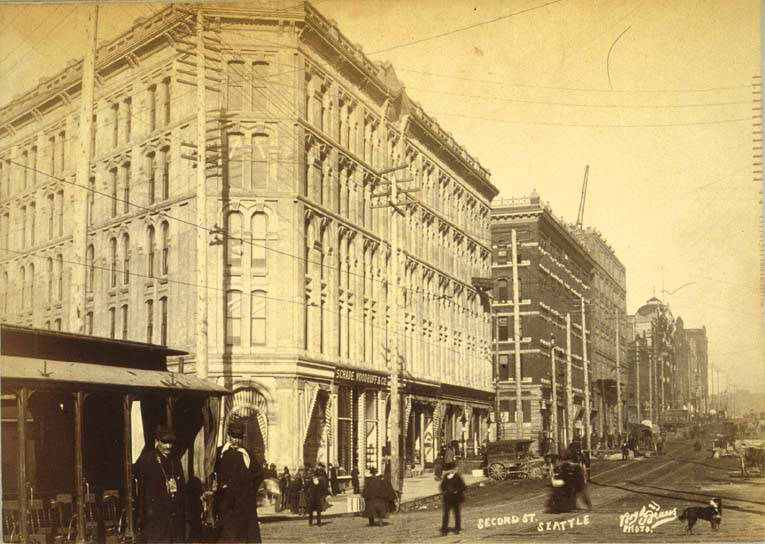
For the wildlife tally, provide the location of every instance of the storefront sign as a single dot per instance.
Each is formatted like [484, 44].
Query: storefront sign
[358, 376]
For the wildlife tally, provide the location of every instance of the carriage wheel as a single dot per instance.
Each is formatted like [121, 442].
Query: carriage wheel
[497, 471]
[535, 473]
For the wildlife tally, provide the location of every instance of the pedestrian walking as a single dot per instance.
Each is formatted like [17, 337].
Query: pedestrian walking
[315, 494]
[161, 487]
[449, 454]
[579, 482]
[625, 451]
[438, 467]
[334, 483]
[239, 476]
[355, 479]
[296, 491]
[284, 490]
[453, 491]
[378, 493]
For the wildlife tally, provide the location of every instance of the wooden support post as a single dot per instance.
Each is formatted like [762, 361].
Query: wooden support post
[21, 402]
[79, 479]
[127, 405]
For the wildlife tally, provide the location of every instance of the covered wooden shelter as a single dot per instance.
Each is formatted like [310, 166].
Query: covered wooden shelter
[76, 410]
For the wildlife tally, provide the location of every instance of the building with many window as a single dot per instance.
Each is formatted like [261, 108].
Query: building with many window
[300, 125]
[541, 283]
[607, 310]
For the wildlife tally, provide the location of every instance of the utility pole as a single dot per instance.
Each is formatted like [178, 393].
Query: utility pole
[517, 335]
[618, 379]
[585, 365]
[554, 393]
[650, 386]
[496, 374]
[638, 357]
[394, 295]
[201, 189]
[569, 385]
[80, 198]
[662, 362]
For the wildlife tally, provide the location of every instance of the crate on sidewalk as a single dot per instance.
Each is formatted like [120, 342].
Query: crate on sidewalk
[355, 503]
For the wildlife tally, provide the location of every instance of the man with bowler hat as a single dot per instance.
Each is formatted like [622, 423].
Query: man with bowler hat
[239, 475]
[453, 490]
[161, 505]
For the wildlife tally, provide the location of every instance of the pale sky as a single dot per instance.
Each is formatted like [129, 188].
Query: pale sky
[664, 121]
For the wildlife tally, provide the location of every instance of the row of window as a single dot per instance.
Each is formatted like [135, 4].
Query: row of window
[26, 218]
[256, 308]
[54, 287]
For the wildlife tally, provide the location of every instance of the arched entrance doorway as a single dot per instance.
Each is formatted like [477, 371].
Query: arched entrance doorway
[248, 405]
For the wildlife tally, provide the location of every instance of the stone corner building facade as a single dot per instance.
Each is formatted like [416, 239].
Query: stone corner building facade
[301, 123]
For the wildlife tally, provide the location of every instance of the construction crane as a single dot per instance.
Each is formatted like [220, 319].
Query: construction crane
[580, 216]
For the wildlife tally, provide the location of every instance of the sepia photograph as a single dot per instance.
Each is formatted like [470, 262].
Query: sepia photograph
[382, 271]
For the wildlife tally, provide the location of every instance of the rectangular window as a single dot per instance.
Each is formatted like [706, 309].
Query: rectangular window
[52, 157]
[259, 242]
[60, 196]
[165, 102]
[112, 322]
[149, 321]
[163, 321]
[235, 88]
[62, 150]
[124, 322]
[151, 100]
[115, 125]
[258, 318]
[113, 185]
[233, 318]
[151, 180]
[165, 165]
[260, 88]
[503, 367]
[126, 188]
[526, 405]
[235, 161]
[259, 161]
[32, 224]
[502, 329]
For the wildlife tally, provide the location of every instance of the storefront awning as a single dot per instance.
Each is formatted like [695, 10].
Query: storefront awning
[48, 374]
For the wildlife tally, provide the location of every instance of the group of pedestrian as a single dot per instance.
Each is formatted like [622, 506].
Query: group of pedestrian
[162, 502]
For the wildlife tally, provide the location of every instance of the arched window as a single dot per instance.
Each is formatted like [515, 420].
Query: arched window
[258, 318]
[259, 229]
[235, 90]
[125, 259]
[502, 290]
[234, 239]
[259, 161]
[91, 198]
[165, 247]
[60, 276]
[112, 262]
[60, 196]
[150, 251]
[89, 260]
[23, 227]
[113, 185]
[235, 163]
[233, 318]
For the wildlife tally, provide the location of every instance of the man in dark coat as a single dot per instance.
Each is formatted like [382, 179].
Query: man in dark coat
[161, 486]
[355, 479]
[378, 493]
[334, 483]
[453, 490]
[239, 475]
[315, 493]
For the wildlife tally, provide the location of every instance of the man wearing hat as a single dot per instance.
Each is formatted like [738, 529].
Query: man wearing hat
[239, 475]
[161, 505]
[453, 490]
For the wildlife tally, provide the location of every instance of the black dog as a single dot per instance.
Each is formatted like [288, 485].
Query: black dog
[711, 513]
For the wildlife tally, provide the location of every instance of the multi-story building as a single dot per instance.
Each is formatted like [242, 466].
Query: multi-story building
[300, 295]
[698, 369]
[541, 283]
[608, 307]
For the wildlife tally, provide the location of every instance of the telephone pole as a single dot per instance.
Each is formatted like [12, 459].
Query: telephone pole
[569, 385]
[394, 303]
[517, 335]
[586, 369]
[80, 224]
[618, 379]
[201, 190]
[554, 393]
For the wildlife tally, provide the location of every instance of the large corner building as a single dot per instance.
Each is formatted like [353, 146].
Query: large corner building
[301, 127]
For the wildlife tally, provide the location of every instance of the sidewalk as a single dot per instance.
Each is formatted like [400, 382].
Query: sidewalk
[415, 488]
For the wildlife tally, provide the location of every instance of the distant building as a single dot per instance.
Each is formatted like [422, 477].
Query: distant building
[698, 368]
[541, 275]
[608, 308]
